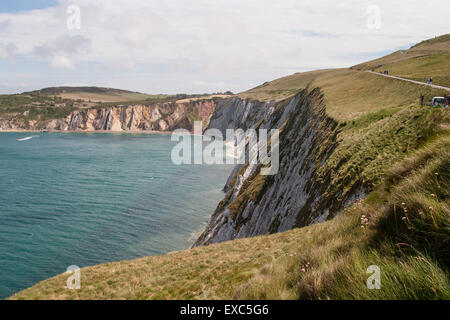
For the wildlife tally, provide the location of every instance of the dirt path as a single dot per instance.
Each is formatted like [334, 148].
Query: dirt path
[413, 81]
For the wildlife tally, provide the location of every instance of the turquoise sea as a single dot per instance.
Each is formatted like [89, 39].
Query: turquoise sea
[84, 199]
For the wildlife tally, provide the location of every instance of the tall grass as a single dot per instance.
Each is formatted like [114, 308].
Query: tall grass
[418, 210]
[403, 228]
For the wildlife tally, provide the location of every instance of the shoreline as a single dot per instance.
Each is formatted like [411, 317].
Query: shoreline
[87, 131]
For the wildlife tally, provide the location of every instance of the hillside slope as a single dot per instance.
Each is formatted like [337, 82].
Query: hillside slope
[350, 93]
[364, 171]
[325, 166]
[95, 94]
[402, 227]
[430, 58]
[102, 109]
[406, 234]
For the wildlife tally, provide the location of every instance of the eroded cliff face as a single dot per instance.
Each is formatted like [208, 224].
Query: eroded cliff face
[155, 117]
[13, 122]
[299, 194]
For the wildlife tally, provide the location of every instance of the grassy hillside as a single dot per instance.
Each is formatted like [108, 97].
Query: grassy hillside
[406, 232]
[97, 94]
[351, 92]
[348, 93]
[402, 227]
[34, 105]
[401, 150]
[430, 58]
[58, 102]
[53, 103]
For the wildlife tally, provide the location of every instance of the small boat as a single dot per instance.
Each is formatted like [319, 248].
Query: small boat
[25, 139]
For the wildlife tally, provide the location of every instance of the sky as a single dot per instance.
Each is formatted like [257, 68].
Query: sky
[199, 46]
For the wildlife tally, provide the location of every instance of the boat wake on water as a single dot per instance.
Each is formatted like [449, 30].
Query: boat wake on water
[25, 139]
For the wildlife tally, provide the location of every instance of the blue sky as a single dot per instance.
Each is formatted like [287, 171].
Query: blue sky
[198, 46]
[24, 5]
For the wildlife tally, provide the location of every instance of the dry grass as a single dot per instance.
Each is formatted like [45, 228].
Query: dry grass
[323, 261]
[104, 97]
[222, 96]
[200, 273]
[425, 48]
[349, 93]
[421, 68]
[327, 260]
[429, 58]
[410, 245]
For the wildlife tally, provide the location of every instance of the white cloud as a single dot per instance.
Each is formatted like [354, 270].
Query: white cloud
[66, 44]
[62, 62]
[7, 50]
[241, 43]
[210, 85]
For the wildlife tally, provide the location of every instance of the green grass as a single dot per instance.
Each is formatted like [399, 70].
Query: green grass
[409, 245]
[31, 107]
[371, 144]
[322, 261]
[96, 94]
[40, 107]
[363, 150]
[430, 58]
[399, 150]
[349, 93]
[421, 68]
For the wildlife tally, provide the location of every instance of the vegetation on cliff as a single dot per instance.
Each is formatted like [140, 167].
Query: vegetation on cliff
[402, 227]
[34, 110]
[429, 58]
[405, 234]
[399, 151]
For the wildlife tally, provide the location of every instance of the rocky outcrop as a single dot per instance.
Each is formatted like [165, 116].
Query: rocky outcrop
[299, 194]
[156, 117]
[13, 123]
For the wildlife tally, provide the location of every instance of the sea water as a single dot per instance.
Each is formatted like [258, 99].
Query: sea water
[84, 199]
